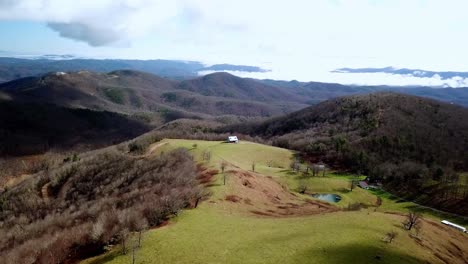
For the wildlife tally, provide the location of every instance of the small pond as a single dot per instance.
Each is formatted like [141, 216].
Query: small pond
[329, 197]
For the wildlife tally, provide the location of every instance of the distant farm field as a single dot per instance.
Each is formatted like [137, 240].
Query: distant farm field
[258, 217]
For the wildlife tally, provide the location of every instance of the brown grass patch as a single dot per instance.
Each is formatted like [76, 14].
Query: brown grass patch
[205, 176]
[448, 245]
[443, 244]
[261, 213]
[247, 201]
[248, 184]
[233, 198]
[270, 198]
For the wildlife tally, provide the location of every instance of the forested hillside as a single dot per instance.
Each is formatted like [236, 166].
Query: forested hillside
[416, 146]
[131, 91]
[37, 128]
[75, 209]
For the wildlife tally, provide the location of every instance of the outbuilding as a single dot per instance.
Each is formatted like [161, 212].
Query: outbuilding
[364, 185]
[233, 139]
[461, 228]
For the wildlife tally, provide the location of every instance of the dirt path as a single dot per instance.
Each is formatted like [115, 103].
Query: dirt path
[45, 192]
[153, 147]
[17, 180]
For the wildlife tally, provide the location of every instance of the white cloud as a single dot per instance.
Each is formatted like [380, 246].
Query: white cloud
[98, 23]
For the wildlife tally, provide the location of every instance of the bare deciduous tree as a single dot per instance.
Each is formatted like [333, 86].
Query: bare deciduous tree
[378, 203]
[123, 235]
[302, 187]
[270, 163]
[413, 219]
[206, 155]
[352, 183]
[141, 225]
[143, 196]
[133, 252]
[295, 165]
[390, 236]
[223, 166]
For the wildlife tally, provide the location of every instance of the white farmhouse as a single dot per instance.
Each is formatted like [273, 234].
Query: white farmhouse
[233, 139]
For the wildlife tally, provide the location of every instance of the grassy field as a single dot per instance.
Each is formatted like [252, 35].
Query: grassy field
[218, 232]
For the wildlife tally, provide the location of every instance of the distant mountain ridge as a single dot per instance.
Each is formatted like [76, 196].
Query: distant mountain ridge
[129, 92]
[26, 66]
[324, 91]
[309, 92]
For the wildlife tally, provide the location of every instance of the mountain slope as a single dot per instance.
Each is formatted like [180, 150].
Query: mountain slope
[227, 85]
[416, 146]
[114, 91]
[215, 94]
[130, 91]
[392, 115]
[36, 128]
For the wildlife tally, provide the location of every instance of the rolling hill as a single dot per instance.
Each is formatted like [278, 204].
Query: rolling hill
[12, 68]
[130, 91]
[416, 146]
[85, 89]
[226, 85]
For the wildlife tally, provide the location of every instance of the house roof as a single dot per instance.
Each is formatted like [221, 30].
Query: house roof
[363, 184]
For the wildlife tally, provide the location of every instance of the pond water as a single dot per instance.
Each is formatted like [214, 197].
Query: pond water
[329, 197]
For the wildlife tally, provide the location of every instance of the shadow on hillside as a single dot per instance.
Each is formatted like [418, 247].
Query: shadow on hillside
[447, 216]
[105, 258]
[422, 209]
[387, 195]
[331, 253]
[342, 190]
[356, 254]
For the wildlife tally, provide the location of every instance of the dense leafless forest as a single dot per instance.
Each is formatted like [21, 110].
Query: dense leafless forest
[76, 209]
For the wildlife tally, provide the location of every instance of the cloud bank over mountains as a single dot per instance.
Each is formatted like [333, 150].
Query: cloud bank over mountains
[296, 39]
[424, 77]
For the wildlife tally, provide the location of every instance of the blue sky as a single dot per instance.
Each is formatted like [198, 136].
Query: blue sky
[33, 37]
[296, 39]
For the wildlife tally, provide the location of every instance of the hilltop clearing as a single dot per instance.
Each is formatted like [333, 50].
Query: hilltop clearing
[259, 217]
